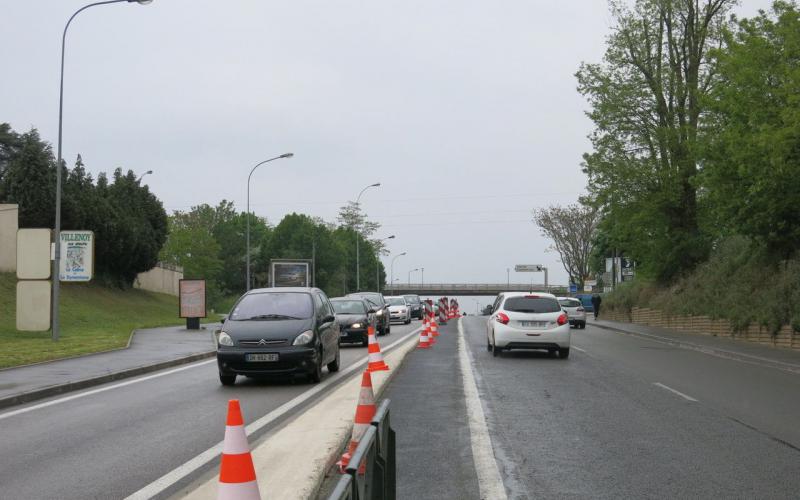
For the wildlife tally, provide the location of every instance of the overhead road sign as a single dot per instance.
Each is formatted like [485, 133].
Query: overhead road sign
[529, 268]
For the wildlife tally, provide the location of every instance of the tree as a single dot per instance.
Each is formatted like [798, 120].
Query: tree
[572, 229]
[29, 179]
[647, 105]
[751, 175]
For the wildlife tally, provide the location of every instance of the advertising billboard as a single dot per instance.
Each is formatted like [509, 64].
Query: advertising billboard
[290, 272]
[192, 298]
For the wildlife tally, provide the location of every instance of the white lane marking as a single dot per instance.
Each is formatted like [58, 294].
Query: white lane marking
[490, 484]
[180, 472]
[679, 393]
[103, 389]
[578, 348]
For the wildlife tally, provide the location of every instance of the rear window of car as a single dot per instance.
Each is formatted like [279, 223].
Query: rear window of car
[412, 299]
[349, 306]
[532, 304]
[395, 301]
[570, 303]
[296, 305]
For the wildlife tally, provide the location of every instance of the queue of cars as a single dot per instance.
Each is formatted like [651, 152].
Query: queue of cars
[298, 330]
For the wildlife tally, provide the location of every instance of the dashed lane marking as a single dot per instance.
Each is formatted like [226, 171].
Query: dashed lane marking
[490, 484]
[679, 393]
[579, 349]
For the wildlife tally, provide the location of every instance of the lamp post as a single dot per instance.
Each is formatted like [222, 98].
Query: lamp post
[392, 269]
[142, 176]
[358, 235]
[508, 277]
[57, 227]
[409, 275]
[378, 266]
[422, 277]
[247, 258]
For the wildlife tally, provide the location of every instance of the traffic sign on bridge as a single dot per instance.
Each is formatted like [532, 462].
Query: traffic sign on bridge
[529, 268]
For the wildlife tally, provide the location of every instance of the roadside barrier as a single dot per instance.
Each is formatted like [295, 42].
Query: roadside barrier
[237, 476]
[365, 411]
[376, 362]
[372, 472]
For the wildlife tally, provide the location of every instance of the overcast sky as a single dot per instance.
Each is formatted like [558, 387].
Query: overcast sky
[465, 111]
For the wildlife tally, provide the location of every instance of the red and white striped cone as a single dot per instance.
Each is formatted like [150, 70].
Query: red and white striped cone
[376, 362]
[365, 410]
[424, 340]
[237, 476]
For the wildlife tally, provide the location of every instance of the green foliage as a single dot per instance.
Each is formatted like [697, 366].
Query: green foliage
[752, 170]
[740, 282]
[646, 106]
[129, 222]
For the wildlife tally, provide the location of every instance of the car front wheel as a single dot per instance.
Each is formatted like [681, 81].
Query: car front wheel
[227, 379]
[316, 375]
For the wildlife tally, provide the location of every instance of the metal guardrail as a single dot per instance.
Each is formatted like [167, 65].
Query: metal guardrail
[371, 473]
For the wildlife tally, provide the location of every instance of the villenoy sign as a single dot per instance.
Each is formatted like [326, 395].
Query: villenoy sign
[77, 256]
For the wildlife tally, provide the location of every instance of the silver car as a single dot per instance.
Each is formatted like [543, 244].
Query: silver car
[399, 309]
[574, 310]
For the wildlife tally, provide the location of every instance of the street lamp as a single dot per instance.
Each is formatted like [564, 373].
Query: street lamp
[142, 176]
[409, 275]
[285, 155]
[392, 269]
[57, 228]
[378, 265]
[422, 276]
[508, 278]
[358, 234]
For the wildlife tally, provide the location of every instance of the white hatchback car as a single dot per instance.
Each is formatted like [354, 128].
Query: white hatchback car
[399, 309]
[521, 320]
[575, 311]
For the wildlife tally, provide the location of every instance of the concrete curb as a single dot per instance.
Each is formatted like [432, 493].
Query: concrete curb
[54, 390]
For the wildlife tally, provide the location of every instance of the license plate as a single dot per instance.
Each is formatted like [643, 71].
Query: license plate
[534, 324]
[261, 357]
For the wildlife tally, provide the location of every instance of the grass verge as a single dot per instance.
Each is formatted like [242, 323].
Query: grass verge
[93, 319]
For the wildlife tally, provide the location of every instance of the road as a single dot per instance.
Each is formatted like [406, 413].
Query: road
[624, 417]
[113, 440]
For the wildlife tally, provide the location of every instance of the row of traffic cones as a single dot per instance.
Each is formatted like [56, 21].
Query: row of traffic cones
[429, 332]
[237, 475]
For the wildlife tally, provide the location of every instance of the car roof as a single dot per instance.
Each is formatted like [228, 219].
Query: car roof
[356, 299]
[304, 289]
[525, 294]
[565, 298]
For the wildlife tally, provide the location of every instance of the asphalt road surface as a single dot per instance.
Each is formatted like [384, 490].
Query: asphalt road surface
[110, 443]
[623, 417]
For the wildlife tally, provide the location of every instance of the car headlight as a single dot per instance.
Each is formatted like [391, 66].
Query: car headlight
[225, 339]
[403, 310]
[379, 313]
[304, 338]
[355, 325]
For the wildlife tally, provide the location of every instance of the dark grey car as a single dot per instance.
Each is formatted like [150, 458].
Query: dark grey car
[279, 331]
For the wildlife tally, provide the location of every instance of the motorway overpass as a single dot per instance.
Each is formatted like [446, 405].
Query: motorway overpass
[456, 289]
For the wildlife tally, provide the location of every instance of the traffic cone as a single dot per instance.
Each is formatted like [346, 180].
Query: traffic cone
[424, 340]
[434, 327]
[237, 477]
[376, 362]
[365, 410]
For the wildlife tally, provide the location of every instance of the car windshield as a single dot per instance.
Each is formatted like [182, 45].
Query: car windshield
[532, 304]
[273, 306]
[395, 301]
[412, 299]
[349, 307]
[375, 298]
[570, 302]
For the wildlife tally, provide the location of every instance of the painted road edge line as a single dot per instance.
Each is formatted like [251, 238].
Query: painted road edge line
[170, 478]
[103, 389]
[490, 484]
[578, 349]
[679, 393]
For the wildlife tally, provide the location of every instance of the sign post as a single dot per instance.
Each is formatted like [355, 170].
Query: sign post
[192, 301]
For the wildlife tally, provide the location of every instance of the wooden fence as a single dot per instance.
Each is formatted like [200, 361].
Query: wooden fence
[703, 325]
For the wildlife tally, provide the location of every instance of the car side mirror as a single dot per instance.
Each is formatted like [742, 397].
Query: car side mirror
[222, 319]
[373, 310]
[328, 319]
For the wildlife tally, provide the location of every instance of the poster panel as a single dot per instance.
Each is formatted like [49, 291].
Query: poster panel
[77, 256]
[192, 298]
[290, 273]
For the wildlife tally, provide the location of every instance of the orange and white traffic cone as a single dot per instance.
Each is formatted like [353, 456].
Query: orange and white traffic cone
[376, 362]
[434, 326]
[237, 476]
[365, 410]
[424, 340]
